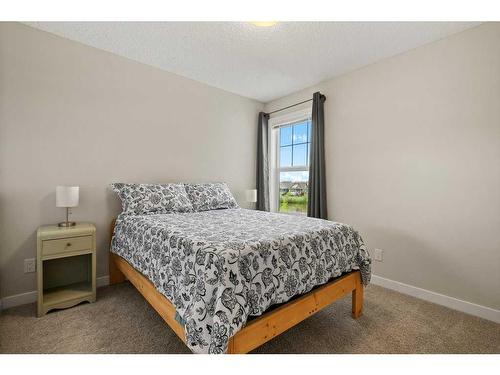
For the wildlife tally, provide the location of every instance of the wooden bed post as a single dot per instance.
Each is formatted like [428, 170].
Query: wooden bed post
[357, 297]
[230, 346]
[115, 275]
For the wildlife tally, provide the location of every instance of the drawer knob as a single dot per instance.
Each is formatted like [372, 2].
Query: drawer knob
[68, 244]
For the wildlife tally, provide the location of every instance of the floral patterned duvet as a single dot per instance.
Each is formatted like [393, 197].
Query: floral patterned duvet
[219, 267]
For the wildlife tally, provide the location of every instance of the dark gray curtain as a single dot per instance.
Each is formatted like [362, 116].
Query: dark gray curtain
[263, 163]
[316, 204]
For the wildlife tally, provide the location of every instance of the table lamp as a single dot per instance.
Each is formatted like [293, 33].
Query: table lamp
[67, 196]
[251, 195]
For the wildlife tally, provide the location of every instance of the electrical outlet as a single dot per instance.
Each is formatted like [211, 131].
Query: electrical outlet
[378, 255]
[29, 265]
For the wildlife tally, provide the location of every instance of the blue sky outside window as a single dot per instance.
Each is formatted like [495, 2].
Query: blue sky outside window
[286, 136]
[286, 156]
[300, 155]
[294, 144]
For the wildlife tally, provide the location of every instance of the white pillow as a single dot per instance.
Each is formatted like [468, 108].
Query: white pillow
[210, 196]
[147, 199]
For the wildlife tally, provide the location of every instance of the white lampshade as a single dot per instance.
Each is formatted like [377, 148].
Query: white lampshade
[251, 195]
[67, 196]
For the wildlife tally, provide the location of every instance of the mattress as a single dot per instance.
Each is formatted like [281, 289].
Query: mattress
[220, 267]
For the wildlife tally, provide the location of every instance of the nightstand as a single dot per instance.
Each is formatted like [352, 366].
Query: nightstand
[66, 266]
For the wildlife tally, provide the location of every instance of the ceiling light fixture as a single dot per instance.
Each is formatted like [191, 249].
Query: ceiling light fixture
[264, 23]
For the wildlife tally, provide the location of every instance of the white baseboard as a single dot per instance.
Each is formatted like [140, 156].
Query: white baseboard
[102, 281]
[19, 299]
[439, 299]
[30, 297]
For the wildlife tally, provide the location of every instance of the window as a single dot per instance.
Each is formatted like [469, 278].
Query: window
[291, 142]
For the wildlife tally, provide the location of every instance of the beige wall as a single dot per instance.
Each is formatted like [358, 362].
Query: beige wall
[413, 162]
[72, 114]
[413, 150]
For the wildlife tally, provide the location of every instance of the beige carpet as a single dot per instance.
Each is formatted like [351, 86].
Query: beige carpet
[121, 321]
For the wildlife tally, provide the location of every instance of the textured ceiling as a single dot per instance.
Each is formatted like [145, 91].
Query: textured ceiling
[259, 63]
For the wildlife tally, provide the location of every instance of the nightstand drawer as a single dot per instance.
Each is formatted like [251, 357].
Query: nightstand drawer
[50, 247]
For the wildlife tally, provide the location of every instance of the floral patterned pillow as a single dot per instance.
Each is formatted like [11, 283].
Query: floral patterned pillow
[212, 196]
[144, 199]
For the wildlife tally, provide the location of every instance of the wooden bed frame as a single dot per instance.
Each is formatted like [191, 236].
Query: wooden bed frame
[259, 330]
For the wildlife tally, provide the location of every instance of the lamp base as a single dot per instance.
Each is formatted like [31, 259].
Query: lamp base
[66, 224]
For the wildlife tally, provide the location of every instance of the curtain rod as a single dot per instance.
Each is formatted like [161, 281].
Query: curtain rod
[290, 106]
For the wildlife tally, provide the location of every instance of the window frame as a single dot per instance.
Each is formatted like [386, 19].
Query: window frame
[275, 123]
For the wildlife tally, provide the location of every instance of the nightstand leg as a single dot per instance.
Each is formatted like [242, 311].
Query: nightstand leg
[39, 279]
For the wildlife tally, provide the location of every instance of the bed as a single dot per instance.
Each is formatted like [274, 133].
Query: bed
[229, 280]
